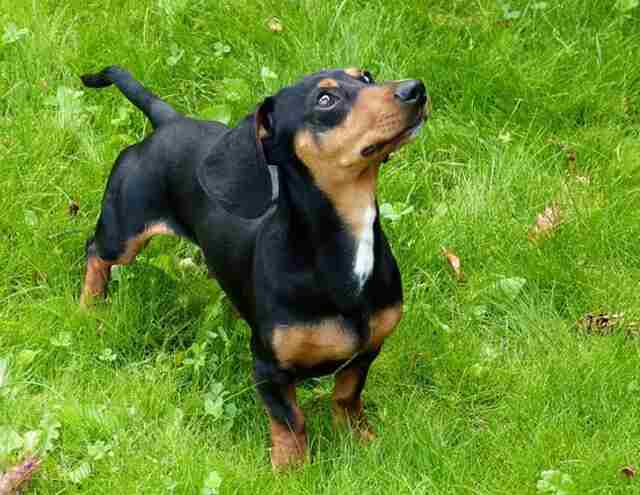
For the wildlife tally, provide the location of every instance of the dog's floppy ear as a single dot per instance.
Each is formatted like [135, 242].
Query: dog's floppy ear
[264, 118]
[235, 174]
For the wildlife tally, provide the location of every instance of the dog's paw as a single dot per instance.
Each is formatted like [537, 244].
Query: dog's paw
[288, 451]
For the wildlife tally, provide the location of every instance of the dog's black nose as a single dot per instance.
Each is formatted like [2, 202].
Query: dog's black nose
[412, 91]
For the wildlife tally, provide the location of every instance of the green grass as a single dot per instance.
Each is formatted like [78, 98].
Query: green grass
[478, 392]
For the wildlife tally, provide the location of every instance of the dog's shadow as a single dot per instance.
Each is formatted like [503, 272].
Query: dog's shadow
[161, 310]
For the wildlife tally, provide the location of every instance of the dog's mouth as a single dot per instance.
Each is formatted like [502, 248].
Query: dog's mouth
[407, 134]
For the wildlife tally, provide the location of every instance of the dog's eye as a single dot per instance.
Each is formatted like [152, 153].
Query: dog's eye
[366, 77]
[326, 100]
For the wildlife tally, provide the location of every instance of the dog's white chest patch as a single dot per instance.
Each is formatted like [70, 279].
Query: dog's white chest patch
[363, 263]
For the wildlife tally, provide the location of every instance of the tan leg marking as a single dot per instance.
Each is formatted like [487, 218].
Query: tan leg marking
[289, 442]
[96, 278]
[383, 323]
[347, 403]
[347, 406]
[135, 245]
[98, 271]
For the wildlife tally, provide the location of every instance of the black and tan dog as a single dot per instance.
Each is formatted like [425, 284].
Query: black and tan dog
[284, 209]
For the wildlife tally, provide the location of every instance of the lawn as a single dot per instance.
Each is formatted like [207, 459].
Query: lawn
[489, 386]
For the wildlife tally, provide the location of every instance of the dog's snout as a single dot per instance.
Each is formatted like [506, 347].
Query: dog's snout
[412, 91]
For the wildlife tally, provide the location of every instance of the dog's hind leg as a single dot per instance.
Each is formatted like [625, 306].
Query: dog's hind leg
[134, 209]
[97, 275]
[98, 266]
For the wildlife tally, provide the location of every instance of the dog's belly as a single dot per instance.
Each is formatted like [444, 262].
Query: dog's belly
[330, 341]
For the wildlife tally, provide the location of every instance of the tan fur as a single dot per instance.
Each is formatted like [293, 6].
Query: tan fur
[347, 406]
[98, 271]
[288, 442]
[135, 245]
[309, 345]
[383, 323]
[96, 278]
[335, 158]
[288, 448]
[353, 72]
[345, 392]
[262, 132]
[328, 83]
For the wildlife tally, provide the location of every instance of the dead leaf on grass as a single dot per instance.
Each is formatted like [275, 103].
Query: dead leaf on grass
[606, 324]
[73, 209]
[39, 277]
[629, 472]
[275, 25]
[583, 179]
[570, 153]
[454, 264]
[600, 324]
[632, 329]
[572, 159]
[14, 481]
[546, 223]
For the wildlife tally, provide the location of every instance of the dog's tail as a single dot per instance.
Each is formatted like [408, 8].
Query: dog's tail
[157, 111]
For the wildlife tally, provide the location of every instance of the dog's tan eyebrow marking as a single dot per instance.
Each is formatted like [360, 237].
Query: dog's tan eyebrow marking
[353, 72]
[328, 83]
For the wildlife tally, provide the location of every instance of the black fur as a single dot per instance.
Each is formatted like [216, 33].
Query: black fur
[156, 110]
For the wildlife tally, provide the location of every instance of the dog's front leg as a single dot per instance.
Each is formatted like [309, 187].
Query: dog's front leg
[288, 437]
[347, 403]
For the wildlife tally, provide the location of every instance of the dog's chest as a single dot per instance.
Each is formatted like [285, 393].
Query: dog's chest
[332, 340]
[364, 258]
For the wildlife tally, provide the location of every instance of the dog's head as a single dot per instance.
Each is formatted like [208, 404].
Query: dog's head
[341, 122]
[340, 125]
[337, 125]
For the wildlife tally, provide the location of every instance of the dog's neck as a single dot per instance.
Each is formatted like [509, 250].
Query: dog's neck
[354, 201]
[336, 221]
